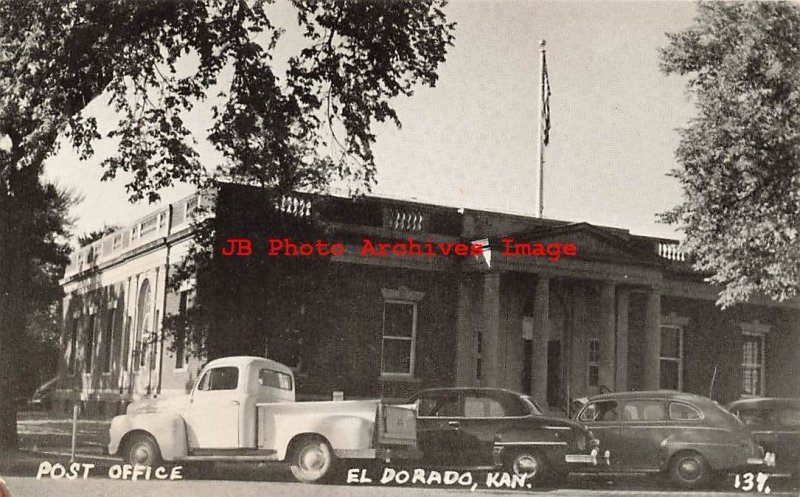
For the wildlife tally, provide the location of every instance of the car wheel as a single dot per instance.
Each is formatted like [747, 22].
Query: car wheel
[689, 470]
[311, 460]
[142, 450]
[527, 463]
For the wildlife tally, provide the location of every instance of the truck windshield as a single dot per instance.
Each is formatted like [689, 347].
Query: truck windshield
[226, 378]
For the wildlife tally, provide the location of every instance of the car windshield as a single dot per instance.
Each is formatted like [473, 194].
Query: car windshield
[535, 409]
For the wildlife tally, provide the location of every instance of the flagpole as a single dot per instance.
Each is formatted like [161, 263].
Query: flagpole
[540, 134]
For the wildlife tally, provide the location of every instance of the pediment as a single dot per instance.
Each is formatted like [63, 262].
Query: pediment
[591, 242]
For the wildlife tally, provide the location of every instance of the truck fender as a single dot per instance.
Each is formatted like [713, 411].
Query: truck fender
[168, 429]
[341, 432]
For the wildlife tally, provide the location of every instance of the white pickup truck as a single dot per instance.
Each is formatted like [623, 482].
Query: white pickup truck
[243, 409]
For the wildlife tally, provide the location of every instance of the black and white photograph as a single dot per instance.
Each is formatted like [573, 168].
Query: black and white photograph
[399, 248]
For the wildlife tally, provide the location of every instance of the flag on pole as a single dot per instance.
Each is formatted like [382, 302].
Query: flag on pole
[545, 102]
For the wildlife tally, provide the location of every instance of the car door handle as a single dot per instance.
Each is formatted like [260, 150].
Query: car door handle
[454, 424]
[235, 402]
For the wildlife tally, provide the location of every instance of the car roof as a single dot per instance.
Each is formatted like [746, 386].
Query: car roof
[476, 390]
[764, 402]
[652, 394]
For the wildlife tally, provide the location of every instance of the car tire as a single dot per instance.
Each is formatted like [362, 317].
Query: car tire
[529, 463]
[689, 470]
[142, 450]
[312, 460]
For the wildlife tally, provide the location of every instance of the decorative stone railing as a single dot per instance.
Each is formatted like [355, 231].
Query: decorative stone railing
[295, 205]
[139, 233]
[404, 218]
[671, 250]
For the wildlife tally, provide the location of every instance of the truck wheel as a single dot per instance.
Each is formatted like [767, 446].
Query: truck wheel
[142, 450]
[527, 463]
[689, 470]
[312, 459]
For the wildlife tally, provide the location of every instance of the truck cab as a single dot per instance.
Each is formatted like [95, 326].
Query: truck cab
[224, 398]
[243, 409]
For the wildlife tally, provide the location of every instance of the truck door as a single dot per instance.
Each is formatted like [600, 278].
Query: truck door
[214, 410]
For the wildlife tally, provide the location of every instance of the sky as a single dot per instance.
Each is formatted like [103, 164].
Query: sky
[471, 141]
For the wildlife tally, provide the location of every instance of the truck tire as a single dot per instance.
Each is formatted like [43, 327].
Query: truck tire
[312, 459]
[142, 449]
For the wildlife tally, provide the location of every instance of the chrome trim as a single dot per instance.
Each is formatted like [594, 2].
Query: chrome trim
[768, 460]
[530, 443]
[666, 442]
[593, 458]
[557, 428]
[651, 426]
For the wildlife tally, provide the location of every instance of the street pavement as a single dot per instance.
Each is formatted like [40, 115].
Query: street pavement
[97, 487]
[274, 480]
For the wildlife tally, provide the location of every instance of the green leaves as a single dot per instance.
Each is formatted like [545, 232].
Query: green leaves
[300, 129]
[740, 158]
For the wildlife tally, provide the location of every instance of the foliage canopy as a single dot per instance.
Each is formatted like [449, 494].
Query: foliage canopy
[154, 61]
[740, 156]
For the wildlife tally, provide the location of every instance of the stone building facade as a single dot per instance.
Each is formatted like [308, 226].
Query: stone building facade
[625, 312]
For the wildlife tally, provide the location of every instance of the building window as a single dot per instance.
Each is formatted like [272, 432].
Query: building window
[88, 353]
[753, 360]
[593, 363]
[73, 345]
[108, 341]
[478, 355]
[399, 335]
[143, 321]
[671, 358]
[126, 341]
[181, 335]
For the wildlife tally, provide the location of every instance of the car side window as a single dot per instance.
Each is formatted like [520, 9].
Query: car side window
[225, 378]
[606, 410]
[789, 418]
[441, 407]
[482, 407]
[682, 412]
[753, 417]
[645, 410]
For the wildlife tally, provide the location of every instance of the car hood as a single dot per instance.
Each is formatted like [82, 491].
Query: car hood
[173, 403]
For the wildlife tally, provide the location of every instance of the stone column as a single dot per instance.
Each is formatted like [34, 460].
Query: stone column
[621, 383]
[490, 330]
[578, 336]
[465, 335]
[606, 332]
[541, 335]
[652, 340]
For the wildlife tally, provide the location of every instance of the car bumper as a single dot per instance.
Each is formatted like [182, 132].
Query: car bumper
[594, 458]
[767, 461]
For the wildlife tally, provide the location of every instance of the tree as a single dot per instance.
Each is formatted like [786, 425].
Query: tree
[153, 60]
[740, 157]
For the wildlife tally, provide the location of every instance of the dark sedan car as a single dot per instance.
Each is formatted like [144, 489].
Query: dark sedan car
[775, 422]
[494, 428]
[687, 437]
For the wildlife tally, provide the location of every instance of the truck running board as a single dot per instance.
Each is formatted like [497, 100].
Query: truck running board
[262, 455]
